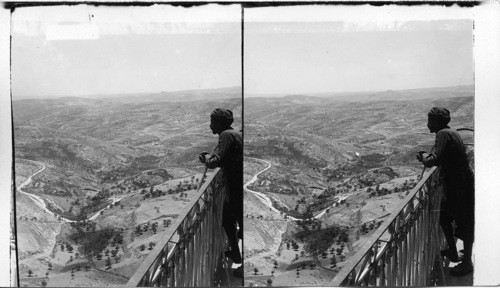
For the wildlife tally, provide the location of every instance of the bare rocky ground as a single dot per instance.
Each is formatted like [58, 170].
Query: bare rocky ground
[40, 242]
[323, 149]
[102, 151]
[265, 236]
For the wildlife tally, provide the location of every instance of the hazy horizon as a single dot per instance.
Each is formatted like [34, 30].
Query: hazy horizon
[260, 95]
[117, 95]
[341, 93]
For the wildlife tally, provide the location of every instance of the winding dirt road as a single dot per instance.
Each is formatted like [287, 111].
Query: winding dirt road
[266, 200]
[41, 203]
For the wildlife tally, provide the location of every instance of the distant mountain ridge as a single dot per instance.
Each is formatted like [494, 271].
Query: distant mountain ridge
[311, 131]
[192, 95]
[396, 95]
[163, 96]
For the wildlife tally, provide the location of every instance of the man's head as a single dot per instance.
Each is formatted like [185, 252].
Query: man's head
[437, 119]
[220, 120]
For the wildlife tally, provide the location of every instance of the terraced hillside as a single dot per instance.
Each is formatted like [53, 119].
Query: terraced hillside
[339, 165]
[100, 179]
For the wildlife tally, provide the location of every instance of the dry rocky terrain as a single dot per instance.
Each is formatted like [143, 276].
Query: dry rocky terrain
[341, 163]
[115, 172]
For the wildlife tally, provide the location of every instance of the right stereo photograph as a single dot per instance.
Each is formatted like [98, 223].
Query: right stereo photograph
[358, 150]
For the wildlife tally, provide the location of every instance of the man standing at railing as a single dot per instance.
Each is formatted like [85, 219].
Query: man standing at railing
[229, 155]
[448, 153]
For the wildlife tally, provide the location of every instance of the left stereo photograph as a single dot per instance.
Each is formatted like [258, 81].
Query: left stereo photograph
[128, 157]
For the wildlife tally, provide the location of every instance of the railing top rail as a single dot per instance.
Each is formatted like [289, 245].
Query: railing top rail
[169, 234]
[359, 256]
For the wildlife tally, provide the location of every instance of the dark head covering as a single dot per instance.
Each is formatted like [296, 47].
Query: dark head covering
[224, 116]
[440, 114]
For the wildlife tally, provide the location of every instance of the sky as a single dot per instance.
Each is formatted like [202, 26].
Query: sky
[80, 50]
[341, 56]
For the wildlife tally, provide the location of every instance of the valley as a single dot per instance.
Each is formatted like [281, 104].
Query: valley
[322, 173]
[100, 180]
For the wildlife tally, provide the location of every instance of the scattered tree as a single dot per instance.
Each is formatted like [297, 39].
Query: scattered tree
[344, 237]
[138, 229]
[255, 271]
[364, 229]
[339, 251]
[333, 261]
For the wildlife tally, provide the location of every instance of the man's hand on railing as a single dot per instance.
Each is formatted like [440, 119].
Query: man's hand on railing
[420, 155]
[203, 157]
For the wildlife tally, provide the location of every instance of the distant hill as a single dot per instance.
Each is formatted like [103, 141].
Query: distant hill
[397, 95]
[88, 142]
[163, 96]
[321, 133]
[348, 159]
[129, 161]
[187, 95]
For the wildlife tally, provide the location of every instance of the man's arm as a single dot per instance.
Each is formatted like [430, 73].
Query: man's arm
[434, 158]
[221, 151]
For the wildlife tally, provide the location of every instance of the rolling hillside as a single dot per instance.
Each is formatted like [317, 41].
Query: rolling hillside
[116, 172]
[345, 159]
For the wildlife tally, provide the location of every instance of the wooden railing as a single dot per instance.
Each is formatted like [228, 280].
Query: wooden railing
[404, 250]
[191, 252]
[13, 250]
